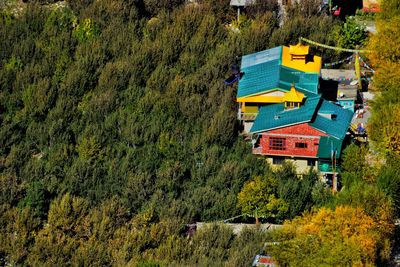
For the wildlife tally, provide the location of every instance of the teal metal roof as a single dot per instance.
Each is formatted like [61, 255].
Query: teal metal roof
[275, 116]
[263, 71]
[327, 145]
[306, 82]
[336, 127]
[315, 111]
[262, 57]
[259, 78]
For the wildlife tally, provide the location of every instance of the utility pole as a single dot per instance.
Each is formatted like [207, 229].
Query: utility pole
[334, 178]
[357, 69]
[333, 160]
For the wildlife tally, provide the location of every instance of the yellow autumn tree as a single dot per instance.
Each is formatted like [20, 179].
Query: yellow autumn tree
[17, 232]
[346, 236]
[57, 242]
[258, 199]
[384, 125]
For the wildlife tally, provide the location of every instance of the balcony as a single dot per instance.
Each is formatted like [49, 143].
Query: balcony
[246, 116]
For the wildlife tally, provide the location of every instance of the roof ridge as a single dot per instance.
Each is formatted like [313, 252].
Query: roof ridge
[319, 104]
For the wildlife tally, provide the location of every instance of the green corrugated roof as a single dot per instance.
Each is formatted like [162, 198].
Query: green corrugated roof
[259, 78]
[275, 116]
[262, 57]
[306, 82]
[312, 111]
[327, 145]
[263, 71]
[336, 127]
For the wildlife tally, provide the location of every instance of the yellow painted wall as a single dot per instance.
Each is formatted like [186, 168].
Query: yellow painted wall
[275, 96]
[251, 109]
[260, 99]
[313, 67]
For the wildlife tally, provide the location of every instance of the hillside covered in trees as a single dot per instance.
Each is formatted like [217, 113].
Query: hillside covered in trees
[117, 130]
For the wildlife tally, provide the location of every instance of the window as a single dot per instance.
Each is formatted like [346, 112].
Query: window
[292, 104]
[300, 145]
[311, 162]
[278, 160]
[277, 143]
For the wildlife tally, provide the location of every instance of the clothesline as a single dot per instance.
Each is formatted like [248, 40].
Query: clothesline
[338, 62]
[333, 47]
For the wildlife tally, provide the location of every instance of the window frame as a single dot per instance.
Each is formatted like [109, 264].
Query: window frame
[311, 160]
[292, 105]
[301, 145]
[277, 143]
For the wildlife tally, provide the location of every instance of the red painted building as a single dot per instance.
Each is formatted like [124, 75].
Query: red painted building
[298, 140]
[308, 135]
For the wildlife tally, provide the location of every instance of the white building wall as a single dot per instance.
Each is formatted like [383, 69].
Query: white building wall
[299, 163]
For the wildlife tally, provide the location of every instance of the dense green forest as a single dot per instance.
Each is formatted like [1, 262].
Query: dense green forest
[117, 130]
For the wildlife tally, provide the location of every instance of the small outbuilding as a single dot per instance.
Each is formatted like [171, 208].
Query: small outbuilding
[240, 4]
[347, 96]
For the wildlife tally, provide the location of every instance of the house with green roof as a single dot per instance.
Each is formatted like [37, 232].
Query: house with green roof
[268, 76]
[310, 135]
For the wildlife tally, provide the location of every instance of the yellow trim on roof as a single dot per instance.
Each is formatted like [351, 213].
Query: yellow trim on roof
[300, 64]
[260, 99]
[293, 96]
[266, 92]
[270, 96]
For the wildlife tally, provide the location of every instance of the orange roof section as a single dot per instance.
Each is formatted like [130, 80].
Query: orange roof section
[312, 66]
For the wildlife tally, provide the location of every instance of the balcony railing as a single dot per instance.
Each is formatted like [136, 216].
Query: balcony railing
[247, 116]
